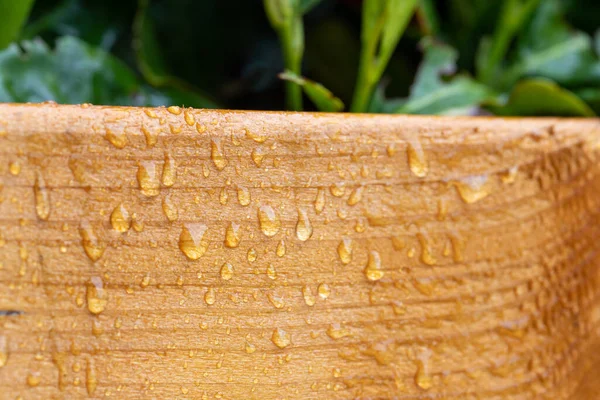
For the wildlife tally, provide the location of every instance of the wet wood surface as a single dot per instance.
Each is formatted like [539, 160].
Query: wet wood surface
[195, 254]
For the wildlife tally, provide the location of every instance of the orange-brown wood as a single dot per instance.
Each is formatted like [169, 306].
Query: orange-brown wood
[178, 253]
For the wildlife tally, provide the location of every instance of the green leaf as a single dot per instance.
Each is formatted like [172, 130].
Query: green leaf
[151, 63]
[542, 97]
[591, 96]
[428, 17]
[319, 94]
[430, 94]
[549, 48]
[13, 15]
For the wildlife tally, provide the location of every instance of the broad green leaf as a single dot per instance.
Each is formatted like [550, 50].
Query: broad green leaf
[591, 96]
[549, 48]
[319, 94]
[430, 94]
[151, 63]
[13, 14]
[542, 97]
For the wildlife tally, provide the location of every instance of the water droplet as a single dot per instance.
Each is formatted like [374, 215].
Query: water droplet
[250, 348]
[33, 379]
[457, 247]
[192, 241]
[148, 179]
[280, 251]
[3, 351]
[320, 201]
[210, 296]
[252, 255]
[96, 295]
[269, 222]
[151, 137]
[226, 271]
[217, 155]
[258, 138]
[345, 250]
[281, 338]
[304, 228]
[119, 140]
[92, 246]
[120, 219]
[174, 110]
[169, 171]
[243, 195]
[324, 291]
[145, 281]
[189, 118]
[473, 188]
[42, 197]
[223, 196]
[309, 298]
[91, 378]
[337, 189]
[336, 331]
[232, 235]
[398, 307]
[169, 208]
[426, 255]
[257, 156]
[14, 168]
[442, 209]
[373, 270]
[271, 271]
[276, 300]
[417, 161]
[510, 176]
[356, 195]
[422, 378]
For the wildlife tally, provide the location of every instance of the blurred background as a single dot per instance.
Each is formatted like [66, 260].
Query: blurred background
[544, 57]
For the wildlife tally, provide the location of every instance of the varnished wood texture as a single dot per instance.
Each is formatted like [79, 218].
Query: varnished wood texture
[194, 254]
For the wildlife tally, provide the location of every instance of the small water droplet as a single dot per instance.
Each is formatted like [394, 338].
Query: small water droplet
[417, 161]
[458, 245]
[151, 137]
[510, 176]
[336, 331]
[252, 254]
[226, 271]
[398, 307]
[250, 348]
[223, 196]
[269, 222]
[217, 155]
[356, 195]
[320, 201]
[473, 188]
[258, 138]
[373, 270]
[145, 281]
[176, 110]
[281, 338]
[120, 219]
[337, 189]
[232, 235]
[169, 208]
[189, 118]
[169, 171]
[33, 379]
[119, 140]
[271, 271]
[422, 378]
[210, 296]
[324, 291]
[243, 195]
[91, 378]
[345, 250]
[3, 351]
[309, 298]
[304, 228]
[92, 246]
[192, 241]
[42, 197]
[14, 168]
[96, 295]
[148, 178]
[280, 251]
[276, 300]
[257, 156]
[426, 255]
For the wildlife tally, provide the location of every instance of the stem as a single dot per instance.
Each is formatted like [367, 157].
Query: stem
[293, 49]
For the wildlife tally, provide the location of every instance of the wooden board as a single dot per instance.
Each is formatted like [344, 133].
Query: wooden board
[177, 253]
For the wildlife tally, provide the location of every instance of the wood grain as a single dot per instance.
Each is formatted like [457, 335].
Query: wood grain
[171, 253]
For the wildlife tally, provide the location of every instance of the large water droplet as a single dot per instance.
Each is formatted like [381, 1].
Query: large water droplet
[175, 110]
[232, 235]
[120, 219]
[281, 338]
[169, 208]
[304, 228]
[320, 201]
[148, 178]
[257, 137]
[269, 221]
[96, 295]
[119, 140]
[42, 197]
[345, 250]
[473, 188]
[373, 270]
[337, 189]
[217, 155]
[192, 241]
[189, 118]
[169, 171]
[92, 246]
[355, 196]
[226, 271]
[276, 300]
[417, 162]
[243, 195]
[324, 291]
